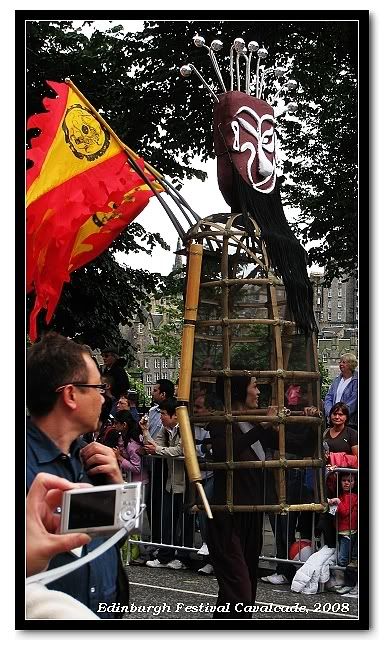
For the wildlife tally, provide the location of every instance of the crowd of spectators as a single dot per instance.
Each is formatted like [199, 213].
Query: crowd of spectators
[84, 427]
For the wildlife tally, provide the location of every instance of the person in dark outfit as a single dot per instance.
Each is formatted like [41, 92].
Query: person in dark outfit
[234, 540]
[64, 399]
[114, 366]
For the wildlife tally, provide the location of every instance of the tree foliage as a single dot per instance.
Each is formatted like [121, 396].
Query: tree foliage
[326, 380]
[105, 294]
[167, 337]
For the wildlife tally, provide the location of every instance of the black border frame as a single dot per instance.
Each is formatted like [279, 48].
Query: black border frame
[363, 19]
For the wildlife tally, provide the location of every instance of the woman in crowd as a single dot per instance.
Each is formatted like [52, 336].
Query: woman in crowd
[340, 437]
[337, 438]
[344, 389]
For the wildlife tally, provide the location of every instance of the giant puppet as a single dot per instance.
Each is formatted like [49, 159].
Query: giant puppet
[248, 298]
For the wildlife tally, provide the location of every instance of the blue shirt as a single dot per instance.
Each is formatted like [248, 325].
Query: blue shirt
[349, 397]
[96, 582]
[154, 421]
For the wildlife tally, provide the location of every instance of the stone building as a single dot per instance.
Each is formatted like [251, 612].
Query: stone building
[148, 367]
[336, 311]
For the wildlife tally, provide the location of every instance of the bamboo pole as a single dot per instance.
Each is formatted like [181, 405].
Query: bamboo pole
[227, 365]
[282, 508]
[282, 487]
[271, 464]
[195, 256]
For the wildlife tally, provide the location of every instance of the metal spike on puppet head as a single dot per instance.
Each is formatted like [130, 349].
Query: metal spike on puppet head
[186, 71]
[216, 46]
[245, 146]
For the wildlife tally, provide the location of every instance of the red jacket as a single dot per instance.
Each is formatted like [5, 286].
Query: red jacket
[347, 512]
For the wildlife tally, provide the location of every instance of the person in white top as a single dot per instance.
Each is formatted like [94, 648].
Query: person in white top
[157, 469]
[345, 389]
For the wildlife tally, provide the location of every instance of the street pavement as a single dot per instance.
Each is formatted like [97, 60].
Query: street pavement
[164, 594]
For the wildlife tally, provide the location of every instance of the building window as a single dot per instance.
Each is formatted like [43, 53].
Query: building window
[149, 325]
[329, 304]
[149, 379]
[146, 363]
[325, 357]
[329, 316]
[157, 376]
[338, 315]
[329, 293]
[319, 300]
[339, 281]
[322, 315]
[149, 391]
[140, 328]
[165, 363]
[164, 375]
[319, 291]
[138, 364]
[339, 304]
[157, 363]
[339, 293]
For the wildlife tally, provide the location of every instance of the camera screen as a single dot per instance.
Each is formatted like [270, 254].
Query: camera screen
[91, 510]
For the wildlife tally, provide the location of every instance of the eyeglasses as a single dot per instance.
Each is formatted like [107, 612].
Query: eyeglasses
[101, 387]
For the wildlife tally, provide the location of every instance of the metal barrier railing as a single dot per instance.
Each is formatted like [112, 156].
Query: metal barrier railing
[288, 538]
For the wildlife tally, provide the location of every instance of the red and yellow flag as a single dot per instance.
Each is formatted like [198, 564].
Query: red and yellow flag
[81, 193]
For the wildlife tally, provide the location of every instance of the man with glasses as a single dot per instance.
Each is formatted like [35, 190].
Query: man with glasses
[64, 399]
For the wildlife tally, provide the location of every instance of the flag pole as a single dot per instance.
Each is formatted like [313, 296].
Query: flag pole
[132, 153]
[133, 158]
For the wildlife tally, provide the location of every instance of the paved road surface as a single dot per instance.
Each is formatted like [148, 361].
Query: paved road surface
[158, 594]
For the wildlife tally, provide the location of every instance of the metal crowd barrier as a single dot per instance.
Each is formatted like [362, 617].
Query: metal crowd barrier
[280, 531]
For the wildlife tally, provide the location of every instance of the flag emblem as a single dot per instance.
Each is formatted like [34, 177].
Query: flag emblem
[84, 134]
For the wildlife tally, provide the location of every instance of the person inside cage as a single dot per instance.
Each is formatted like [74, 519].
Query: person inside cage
[234, 539]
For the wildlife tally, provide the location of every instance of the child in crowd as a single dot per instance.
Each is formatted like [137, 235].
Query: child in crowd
[129, 448]
[346, 524]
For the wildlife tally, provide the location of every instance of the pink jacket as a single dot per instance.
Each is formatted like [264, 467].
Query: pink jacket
[132, 461]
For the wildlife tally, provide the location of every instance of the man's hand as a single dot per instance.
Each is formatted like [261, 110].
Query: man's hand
[150, 448]
[43, 523]
[271, 411]
[312, 411]
[99, 459]
[143, 424]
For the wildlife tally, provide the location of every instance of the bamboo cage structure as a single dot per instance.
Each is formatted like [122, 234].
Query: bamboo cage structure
[243, 328]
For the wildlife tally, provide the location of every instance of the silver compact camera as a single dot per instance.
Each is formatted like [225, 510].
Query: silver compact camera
[104, 509]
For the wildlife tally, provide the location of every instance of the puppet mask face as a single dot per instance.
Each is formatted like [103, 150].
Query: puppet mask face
[246, 125]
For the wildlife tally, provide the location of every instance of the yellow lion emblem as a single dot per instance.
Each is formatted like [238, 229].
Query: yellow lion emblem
[84, 134]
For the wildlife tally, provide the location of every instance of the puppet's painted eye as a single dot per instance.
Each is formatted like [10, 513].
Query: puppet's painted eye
[268, 140]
